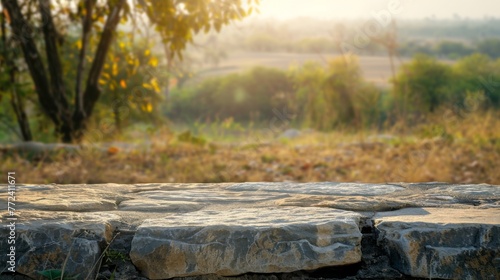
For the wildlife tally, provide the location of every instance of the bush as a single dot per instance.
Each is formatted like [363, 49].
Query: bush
[451, 49]
[336, 95]
[490, 47]
[422, 84]
[251, 96]
[476, 73]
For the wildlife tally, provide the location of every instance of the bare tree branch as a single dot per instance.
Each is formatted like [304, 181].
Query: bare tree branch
[87, 25]
[32, 57]
[92, 91]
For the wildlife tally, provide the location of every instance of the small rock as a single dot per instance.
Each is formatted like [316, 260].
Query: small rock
[290, 133]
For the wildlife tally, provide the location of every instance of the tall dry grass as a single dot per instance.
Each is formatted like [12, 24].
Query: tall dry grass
[443, 147]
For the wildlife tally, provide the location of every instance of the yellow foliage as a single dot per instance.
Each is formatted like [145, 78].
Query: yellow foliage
[115, 69]
[78, 44]
[123, 84]
[106, 76]
[149, 108]
[153, 61]
[147, 52]
[154, 84]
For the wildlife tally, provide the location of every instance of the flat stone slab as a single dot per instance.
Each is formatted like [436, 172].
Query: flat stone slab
[442, 243]
[233, 242]
[49, 242]
[427, 230]
[325, 188]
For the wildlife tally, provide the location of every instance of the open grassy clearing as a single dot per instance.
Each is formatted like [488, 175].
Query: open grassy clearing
[458, 150]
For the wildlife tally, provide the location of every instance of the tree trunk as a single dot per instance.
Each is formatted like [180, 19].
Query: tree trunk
[52, 94]
[87, 26]
[116, 114]
[33, 60]
[21, 116]
[16, 100]
[53, 103]
[92, 90]
[56, 73]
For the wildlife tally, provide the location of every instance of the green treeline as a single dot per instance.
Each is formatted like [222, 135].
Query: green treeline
[450, 49]
[326, 97]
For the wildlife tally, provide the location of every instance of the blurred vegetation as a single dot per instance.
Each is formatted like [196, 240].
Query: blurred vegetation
[452, 49]
[449, 39]
[336, 95]
[444, 147]
[35, 31]
[441, 48]
[439, 112]
[249, 96]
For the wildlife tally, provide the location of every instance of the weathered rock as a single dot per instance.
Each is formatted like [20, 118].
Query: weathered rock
[322, 188]
[290, 133]
[157, 205]
[442, 243]
[79, 198]
[352, 203]
[32, 148]
[238, 241]
[67, 241]
[440, 230]
[186, 201]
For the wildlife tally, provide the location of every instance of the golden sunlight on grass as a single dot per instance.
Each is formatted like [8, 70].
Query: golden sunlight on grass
[447, 149]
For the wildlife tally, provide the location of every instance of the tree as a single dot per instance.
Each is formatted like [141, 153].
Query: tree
[334, 95]
[174, 20]
[132, 66]
[490, 47]
[423, 82]
[389, 41]
[10, 80]
[476, 75]
[453, 49]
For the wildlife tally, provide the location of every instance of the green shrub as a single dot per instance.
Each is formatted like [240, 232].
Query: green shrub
[422, 84]
[251, 96]
[476, 74]
[336, 95]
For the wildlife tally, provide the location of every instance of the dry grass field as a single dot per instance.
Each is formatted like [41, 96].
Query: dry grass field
[451, 150]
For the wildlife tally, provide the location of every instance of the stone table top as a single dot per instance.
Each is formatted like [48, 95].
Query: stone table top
[234, 228]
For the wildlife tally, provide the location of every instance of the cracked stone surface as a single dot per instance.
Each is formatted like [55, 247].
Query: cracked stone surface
[442, 243]
[237, 241]
[51, 241]
[258, 230]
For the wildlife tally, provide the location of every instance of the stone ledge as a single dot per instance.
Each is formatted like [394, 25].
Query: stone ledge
[238, 241]
[210, 231]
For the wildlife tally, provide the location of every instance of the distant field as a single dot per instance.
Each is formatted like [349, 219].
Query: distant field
[376, 69]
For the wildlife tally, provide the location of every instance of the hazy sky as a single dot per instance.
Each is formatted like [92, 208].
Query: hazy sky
[363, 8]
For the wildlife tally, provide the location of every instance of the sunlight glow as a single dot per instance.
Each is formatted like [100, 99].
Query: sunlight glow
[356, 9]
